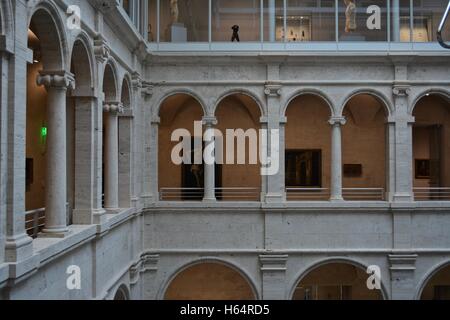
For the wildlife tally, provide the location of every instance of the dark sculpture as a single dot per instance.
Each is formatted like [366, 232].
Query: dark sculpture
[235, 35]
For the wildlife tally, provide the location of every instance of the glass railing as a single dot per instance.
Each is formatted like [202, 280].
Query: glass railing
[295, 21]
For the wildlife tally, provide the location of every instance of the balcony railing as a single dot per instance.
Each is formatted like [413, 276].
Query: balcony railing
[307, 194]
[222, 194]
[432, 194]
[34, 221]
[363, 194]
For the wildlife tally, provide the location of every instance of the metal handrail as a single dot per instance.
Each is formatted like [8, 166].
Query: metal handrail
[196, 194]
[432, 193]
[441, 28]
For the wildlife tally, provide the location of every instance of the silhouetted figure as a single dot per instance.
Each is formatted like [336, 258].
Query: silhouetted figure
[235, 36]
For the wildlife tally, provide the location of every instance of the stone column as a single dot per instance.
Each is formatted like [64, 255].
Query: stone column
[210, 162]
[88, 208]
[125, 161]
[150, 126]
[336, 158]
[273, 269]
[111, 174]
[402, 268]
[272, 20]
[152, 153]
[273, 172]
[14, 58]
[56, 84]
[395, 20]
[403, 146]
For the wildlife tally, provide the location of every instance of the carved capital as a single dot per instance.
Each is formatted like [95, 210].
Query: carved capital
[101, 49]
[337, 121]
[401, 90]
[402, 262]
[147, 89]
[136, 81]
[209, 121]
[272, 90]
[273, 262]
[56, 79]
[149, 262]
[114, 108]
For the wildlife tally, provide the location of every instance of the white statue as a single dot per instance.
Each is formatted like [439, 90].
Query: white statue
[174, 10]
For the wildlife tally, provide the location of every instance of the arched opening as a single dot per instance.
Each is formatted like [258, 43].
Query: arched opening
[239, 177]
[308, 149]
[209, 281]
[112, 108]
[125, 147]
[431, 148]
[180, 181]
[122, 294]
[438, 286]
[336, 281]
[81, 106]
[44, 41]
[364, 149]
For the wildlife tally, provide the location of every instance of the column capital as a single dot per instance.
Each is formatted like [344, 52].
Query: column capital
[209, 121]
[401, 90]
[265, 119]
[337, 121]
[272, 89]
[101, 48]
[402, 262]
[155, 120]
[56, 79]
[113, 107]
[147, 89]
[273, 262]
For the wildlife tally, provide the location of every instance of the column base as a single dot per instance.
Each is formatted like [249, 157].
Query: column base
[54, 233]
[18, 248]
[275, 197]
[337, 199]
[209, 200]
[147, 200]
[403, 197]
[87, 216]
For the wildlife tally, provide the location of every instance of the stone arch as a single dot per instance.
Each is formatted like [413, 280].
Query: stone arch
[302, 274]
[318, 93]
[424, 281]
[122, 293]
[245, 92]
[47, 24]
[235, 269]
[175, 92]
[431, 91]
[110, 82]
[384, 101]
[125, 92]
[82, 65]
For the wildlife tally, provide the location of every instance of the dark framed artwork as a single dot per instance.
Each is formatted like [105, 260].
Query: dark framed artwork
[353, 170]
[423, 169]
[29, 174]
[304, 168]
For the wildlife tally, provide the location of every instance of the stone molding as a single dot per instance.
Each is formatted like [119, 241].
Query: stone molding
[101, 49]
